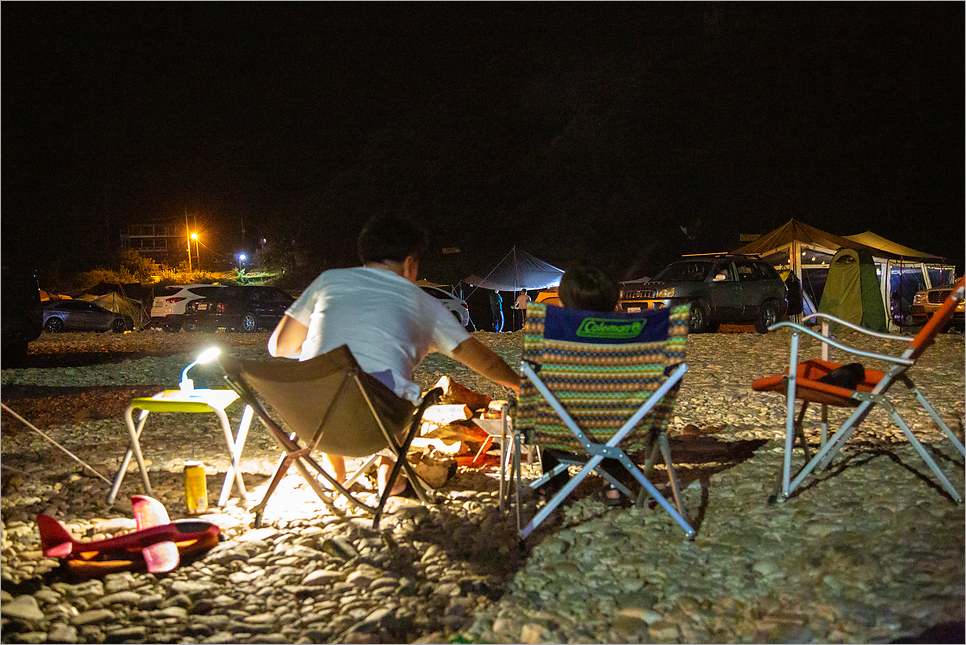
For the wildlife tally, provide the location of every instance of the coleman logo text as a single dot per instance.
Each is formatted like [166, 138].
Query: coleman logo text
[604, 328]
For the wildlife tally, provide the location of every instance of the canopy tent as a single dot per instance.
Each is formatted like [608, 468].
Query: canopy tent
[518, 270]
[875, 241]
[807, 252]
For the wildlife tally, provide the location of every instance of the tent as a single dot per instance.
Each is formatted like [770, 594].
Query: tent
[117, 303]
[852, 290]
[807, 252]
[518, 270]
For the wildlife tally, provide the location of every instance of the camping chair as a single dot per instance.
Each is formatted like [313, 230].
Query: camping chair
[601, 385]
[805, 383]
[332, 406]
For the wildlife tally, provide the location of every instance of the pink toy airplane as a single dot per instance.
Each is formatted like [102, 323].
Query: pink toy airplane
[157, 545]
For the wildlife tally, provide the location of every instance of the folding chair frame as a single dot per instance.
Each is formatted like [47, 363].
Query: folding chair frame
[797, 387]
[657, 440]
[301, 455]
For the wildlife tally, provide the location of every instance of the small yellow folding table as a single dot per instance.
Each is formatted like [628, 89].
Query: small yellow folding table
[202, 401]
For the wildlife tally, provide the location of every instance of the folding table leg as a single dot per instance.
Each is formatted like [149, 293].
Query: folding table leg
[235, 447]
[126, 461]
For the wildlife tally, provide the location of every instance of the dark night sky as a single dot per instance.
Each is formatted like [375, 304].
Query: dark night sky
[570, 130]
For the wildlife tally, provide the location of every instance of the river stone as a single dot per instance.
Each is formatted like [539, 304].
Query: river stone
[23, 608]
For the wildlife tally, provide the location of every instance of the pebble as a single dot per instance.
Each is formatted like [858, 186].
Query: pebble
[870, 552]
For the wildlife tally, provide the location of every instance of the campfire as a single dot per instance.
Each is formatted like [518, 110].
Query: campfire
[453, 433]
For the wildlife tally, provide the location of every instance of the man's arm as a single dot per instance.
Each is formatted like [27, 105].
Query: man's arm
[480, 358]
[287, 339]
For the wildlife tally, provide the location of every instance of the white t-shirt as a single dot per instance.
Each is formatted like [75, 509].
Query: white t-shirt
[389, 323]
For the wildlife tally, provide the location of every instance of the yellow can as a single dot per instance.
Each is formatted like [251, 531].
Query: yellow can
[195, 487]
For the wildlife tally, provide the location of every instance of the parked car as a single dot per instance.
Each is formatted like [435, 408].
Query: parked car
[721, 289]
[926, 302]
[22, 314]
[81, 315]
[456, 305]
[246, 309]
[168, 310]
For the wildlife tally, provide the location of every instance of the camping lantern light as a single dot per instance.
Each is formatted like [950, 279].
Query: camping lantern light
[206, 356]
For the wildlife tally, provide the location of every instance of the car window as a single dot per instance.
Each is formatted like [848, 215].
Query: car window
[280, 297]
[748, 272]
[204, 292]
[684, 272]
[727, 270]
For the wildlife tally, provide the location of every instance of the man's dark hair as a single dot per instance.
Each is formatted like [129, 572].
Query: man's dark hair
[587, 287]
[388, 237]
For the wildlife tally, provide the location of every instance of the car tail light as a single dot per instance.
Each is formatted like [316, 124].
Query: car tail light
[221, 307]
[174, 300]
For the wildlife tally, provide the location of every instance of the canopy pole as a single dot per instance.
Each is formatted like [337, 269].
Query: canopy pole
[495, 268]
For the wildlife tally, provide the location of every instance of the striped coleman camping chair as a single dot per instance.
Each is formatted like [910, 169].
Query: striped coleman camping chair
[601, 384]
[853, 386]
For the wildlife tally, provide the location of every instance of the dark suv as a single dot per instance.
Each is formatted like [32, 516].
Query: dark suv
[720, 288]
[242, 308]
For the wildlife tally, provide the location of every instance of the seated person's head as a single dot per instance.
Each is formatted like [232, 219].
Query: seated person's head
[390, 238]
[587, 287]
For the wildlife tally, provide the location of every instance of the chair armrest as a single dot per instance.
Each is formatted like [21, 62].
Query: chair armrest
[834, 343]
[868, 332]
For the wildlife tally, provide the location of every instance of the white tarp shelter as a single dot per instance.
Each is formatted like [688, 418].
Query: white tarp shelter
[518, 270]
[807, 252]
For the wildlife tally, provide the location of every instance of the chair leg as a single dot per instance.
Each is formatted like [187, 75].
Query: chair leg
[665, 446]
[280, 469]
[560, 496]
[939, 421]
[652, 450]
[922, 452]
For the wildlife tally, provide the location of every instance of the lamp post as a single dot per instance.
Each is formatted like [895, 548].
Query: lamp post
[189, 253]
[194, 236]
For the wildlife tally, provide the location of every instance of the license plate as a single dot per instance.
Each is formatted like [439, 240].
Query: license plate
[202, 306]
[633, 309]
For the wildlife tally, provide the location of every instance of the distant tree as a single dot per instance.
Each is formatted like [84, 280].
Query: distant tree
[138, 266]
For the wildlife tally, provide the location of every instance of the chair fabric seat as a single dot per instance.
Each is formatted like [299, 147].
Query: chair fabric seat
[808, 387]
[330, 405]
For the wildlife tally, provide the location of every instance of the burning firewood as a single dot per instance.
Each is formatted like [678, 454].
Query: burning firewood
[454, 393]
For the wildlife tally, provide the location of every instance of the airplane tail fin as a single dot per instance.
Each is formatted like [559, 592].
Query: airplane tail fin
[55, 541]
[149, 512]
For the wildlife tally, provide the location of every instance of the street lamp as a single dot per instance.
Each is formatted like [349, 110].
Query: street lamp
[194, 236]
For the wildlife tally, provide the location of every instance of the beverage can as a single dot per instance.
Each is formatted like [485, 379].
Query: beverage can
[195, 487]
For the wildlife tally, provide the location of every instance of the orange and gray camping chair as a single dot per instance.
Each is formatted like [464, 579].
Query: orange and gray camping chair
[332, 406]
[811, 382]
[601, 384]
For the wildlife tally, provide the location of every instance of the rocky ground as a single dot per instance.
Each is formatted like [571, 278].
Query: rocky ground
[871, 551]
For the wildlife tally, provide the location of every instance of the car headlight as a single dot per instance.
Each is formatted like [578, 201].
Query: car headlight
[666, 293]
[919, 298]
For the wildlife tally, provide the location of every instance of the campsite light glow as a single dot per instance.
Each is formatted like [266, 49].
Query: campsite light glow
[206, 356]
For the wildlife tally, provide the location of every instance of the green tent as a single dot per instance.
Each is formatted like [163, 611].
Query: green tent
[852, 290]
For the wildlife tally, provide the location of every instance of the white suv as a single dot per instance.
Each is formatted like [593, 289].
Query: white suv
[451, 302]
[167, 312]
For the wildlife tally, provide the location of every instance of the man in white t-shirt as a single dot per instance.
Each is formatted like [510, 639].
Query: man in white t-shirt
[388, 322]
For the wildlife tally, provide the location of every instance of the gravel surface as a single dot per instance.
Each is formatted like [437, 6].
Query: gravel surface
[870, 552]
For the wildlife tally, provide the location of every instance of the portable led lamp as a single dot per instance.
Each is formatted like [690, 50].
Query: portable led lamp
[206, 356]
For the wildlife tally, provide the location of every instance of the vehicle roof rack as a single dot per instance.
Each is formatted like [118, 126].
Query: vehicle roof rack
[721, 254]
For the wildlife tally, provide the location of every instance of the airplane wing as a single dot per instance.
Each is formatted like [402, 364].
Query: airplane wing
[149, 512]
